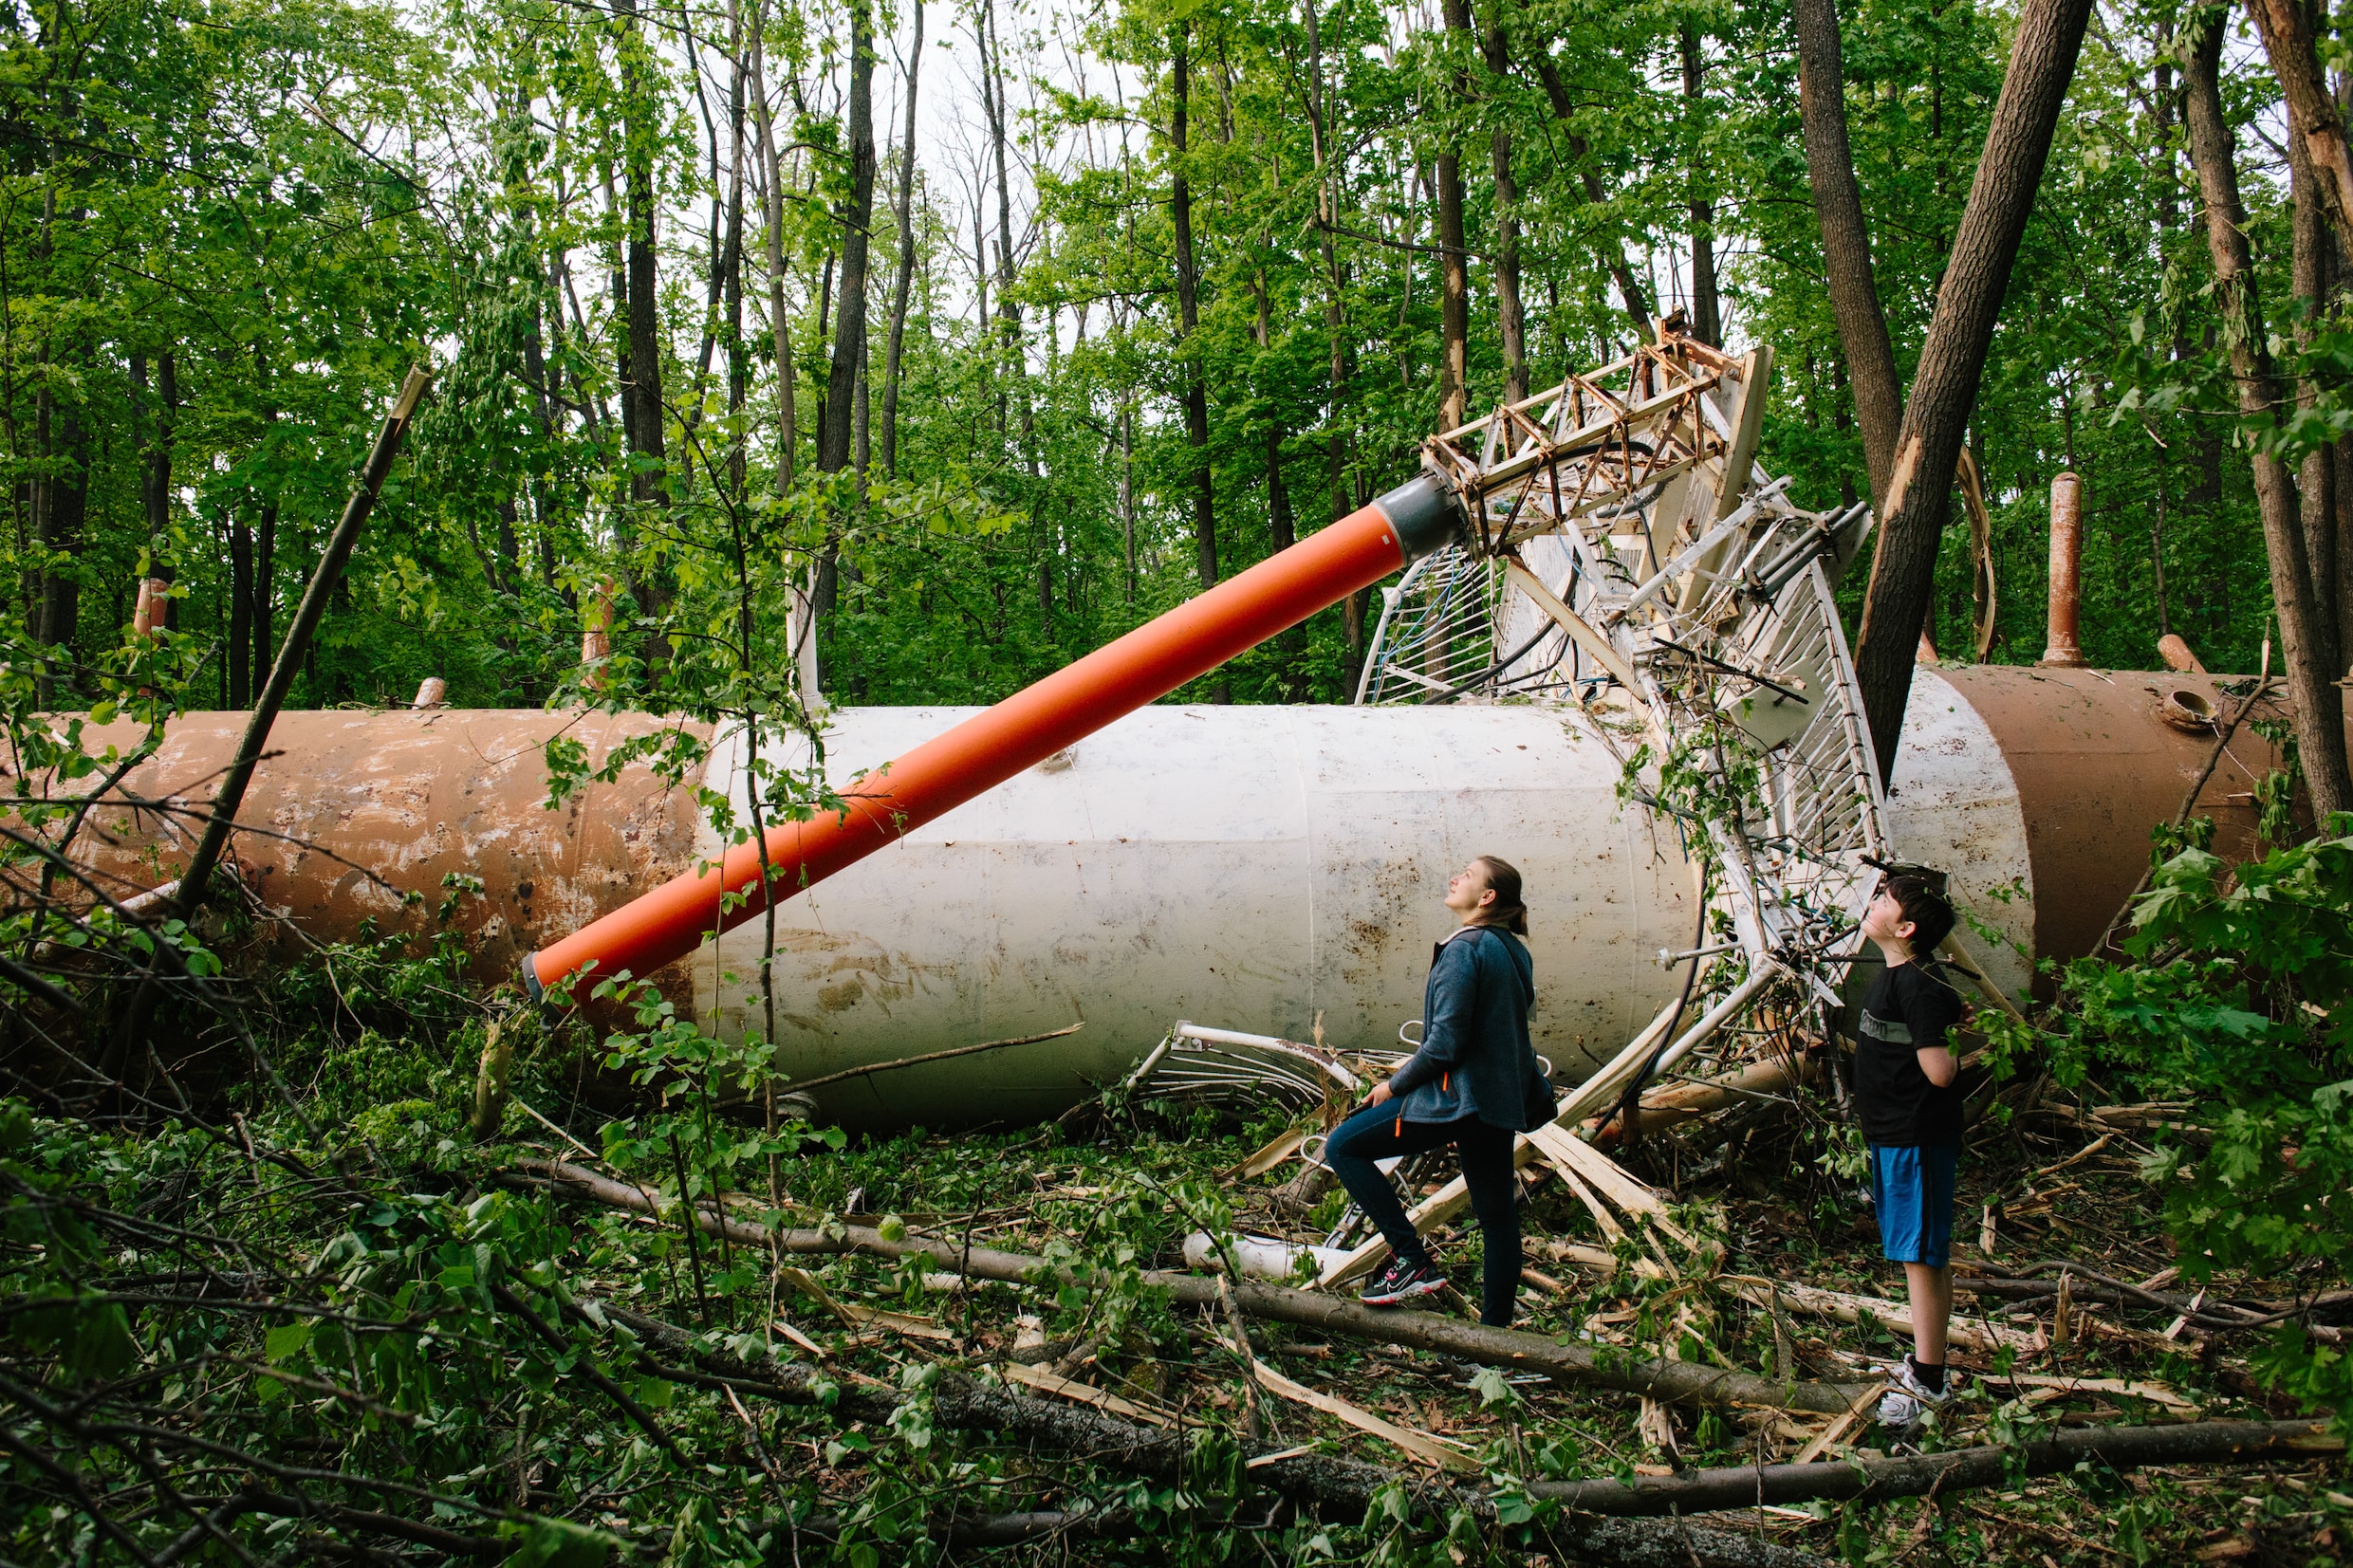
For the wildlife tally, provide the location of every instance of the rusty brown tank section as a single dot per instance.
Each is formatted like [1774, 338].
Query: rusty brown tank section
[352, 810]
[2100, 757]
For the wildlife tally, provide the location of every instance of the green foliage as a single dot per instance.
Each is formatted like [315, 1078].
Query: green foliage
[2234, 1008]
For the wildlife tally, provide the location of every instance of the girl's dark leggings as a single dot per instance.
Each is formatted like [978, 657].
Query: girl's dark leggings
[1378, 1133]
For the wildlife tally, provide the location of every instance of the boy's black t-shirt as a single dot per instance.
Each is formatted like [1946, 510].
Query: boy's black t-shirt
[1907, 1006]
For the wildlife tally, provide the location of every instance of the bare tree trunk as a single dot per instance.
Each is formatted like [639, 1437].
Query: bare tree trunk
[849, 335]
[264, 610]
[2311, 276]
[738, 362]
[1454, 270]
[1189, 317]
[647, 414]
[905, 280]
[240, 660]
[772, 196]
[2307, 643]
[1706, 315]
[2316, 125]
[1969, 301]
[1127, 493]
[156, 468]
[1846, 242]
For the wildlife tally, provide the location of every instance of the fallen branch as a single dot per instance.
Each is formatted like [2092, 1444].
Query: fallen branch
[871, 1068]
[1344, 1487]
[1674, 1382]
[1913, 1475]
[1895, 1315]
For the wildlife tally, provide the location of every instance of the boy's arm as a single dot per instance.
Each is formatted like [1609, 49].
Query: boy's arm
[1935, 1015]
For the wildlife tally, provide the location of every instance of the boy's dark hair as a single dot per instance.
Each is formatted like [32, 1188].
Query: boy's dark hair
[1924, 907]
[1508, 911]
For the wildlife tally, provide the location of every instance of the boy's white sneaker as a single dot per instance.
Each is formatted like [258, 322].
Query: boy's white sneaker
[1909, 1400]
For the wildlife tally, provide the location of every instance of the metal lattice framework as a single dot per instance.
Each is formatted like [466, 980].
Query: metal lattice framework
[1625, 553]
[1632, 561]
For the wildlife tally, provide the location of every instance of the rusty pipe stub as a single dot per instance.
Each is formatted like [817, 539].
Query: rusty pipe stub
[2063, 648]
[2178, 655]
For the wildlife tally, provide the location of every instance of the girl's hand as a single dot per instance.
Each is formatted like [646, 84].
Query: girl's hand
[1380, 1095]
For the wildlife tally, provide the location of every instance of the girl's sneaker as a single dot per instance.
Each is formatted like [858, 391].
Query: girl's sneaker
[1909, 1400]
[1403, 1280]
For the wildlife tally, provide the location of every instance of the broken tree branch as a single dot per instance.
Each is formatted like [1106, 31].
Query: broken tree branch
[1674, 1382]
[1913, 1475]
[1345, 1486]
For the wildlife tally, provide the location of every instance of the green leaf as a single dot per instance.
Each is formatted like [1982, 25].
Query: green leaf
[286, 1341]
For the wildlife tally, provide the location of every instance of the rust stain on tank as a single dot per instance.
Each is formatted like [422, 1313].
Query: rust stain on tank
[412, 798]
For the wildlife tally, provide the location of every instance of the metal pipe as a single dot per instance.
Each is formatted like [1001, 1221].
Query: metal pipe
[2178, 655]
[2066, 571]
[1024, 729]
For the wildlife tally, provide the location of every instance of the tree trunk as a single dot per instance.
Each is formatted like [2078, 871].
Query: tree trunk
[240, 651]
[2315, 125]
[850, 336]
[1707, 316]
[738, 362]
[1189, 316]
[2311, 276]
[1453, 269]
[155, 470]
[1127, 494]
[1969, 301]
[1511, 319]
[905, 280]
[1846, 242]
[2307, 645]
[265, 613]
[772, 199]
[647, 416]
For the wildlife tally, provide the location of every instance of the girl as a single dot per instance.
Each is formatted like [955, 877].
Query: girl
[1472, 1085]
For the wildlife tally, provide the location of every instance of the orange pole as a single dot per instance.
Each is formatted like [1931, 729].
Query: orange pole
[1023, 730]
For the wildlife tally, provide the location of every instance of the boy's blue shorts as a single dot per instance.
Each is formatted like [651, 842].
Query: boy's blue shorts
[1912, 1189]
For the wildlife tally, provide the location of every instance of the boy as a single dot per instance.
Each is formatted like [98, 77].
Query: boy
[1911, 1116]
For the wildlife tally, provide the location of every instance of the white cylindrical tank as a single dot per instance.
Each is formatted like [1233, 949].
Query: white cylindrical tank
[1254, 868]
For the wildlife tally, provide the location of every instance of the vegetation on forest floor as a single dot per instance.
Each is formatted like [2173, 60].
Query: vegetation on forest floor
[336, 1322]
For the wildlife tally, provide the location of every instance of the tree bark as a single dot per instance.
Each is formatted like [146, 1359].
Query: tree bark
[2307, 645]
[738, 362]
[772, 198]
[240, 650]
[1707, 314]
[1189, 318]
[2316, 125]
[647, 416]
[904, 282]
[1969, 301]
[2311, 277]
[849, 334]
[1453, 269]
[1846, 242]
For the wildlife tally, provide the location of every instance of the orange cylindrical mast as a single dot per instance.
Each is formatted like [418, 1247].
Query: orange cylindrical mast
[1023, 730]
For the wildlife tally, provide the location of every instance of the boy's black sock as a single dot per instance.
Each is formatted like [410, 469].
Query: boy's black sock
[1932, 1377]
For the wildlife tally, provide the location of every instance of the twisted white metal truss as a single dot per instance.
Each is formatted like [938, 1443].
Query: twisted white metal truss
[1627, 559]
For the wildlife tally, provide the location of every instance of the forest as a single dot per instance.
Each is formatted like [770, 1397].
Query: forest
[704, 363]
